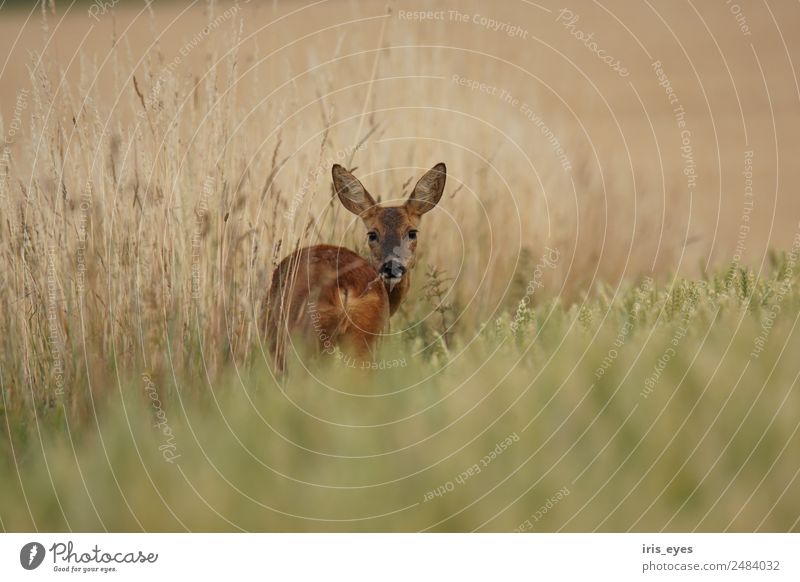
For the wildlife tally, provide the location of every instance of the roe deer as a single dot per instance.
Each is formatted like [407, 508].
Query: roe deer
[328, 296]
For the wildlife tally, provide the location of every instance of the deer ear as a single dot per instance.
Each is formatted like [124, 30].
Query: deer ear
[428, 190]
[350, 191]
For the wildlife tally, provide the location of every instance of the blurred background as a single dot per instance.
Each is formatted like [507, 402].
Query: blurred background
[606, 295]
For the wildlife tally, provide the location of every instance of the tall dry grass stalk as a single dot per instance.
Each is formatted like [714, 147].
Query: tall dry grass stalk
[140, 224]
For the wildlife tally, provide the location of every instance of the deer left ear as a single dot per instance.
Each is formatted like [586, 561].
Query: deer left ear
[351, 192]
[428, 190]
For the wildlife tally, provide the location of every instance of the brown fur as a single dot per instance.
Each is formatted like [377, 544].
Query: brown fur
[328, 297]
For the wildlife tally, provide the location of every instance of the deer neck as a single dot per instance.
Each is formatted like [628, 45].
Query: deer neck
[398, 293]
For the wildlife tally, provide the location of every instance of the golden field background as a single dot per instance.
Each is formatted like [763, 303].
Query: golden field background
[740, 93]
[159, 160]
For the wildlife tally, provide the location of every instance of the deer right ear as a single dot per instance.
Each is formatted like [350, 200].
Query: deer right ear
[350, 191]
[428, 190]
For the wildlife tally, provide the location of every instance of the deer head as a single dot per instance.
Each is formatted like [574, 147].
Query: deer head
[392, 231]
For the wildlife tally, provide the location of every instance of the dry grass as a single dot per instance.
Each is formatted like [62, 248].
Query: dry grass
[141, 229]
[148, 200]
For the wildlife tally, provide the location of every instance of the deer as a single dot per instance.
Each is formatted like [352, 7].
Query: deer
[329, 297]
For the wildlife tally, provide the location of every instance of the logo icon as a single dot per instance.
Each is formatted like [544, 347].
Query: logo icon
[31, 555]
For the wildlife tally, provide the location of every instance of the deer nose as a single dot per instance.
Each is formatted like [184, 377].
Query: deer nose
[393, 269]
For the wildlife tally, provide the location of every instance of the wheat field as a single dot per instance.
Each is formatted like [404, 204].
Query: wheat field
[601, 328]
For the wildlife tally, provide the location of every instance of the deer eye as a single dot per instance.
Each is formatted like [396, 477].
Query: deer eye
[372, 236]
[412, 234]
